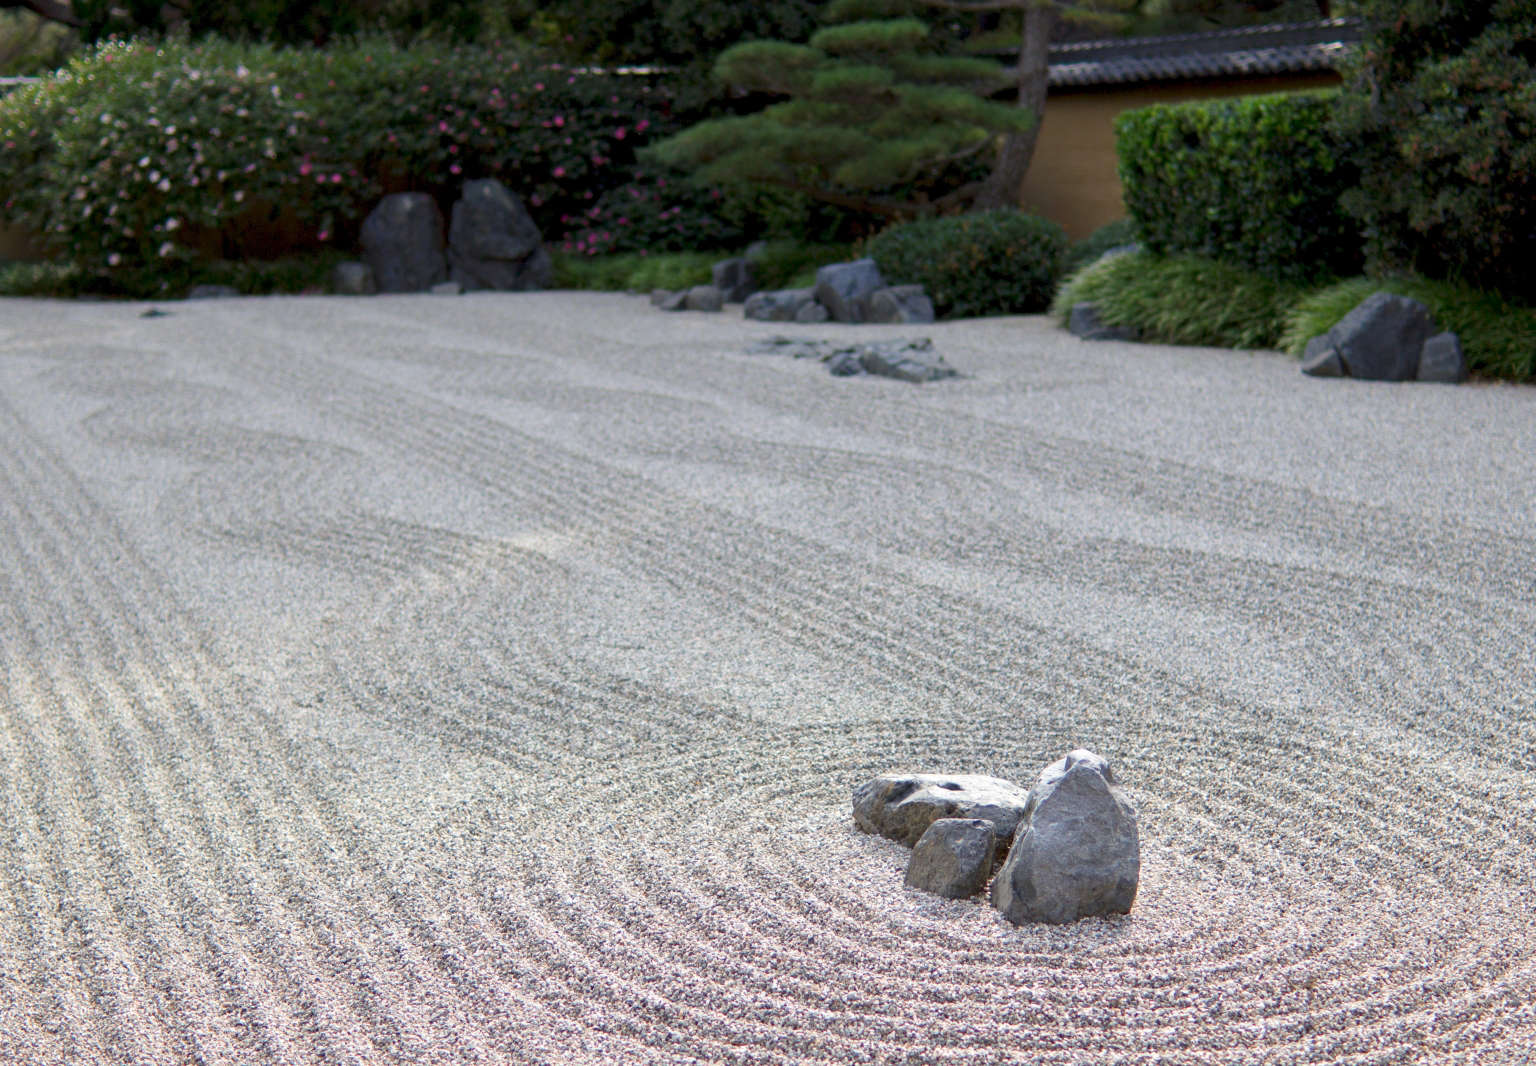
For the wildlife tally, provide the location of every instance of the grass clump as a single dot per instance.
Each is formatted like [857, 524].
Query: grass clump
[634, 271]
[1184, 299]
[171, 280]
[1497, 337]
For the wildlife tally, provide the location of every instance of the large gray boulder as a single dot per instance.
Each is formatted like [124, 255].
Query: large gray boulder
[402, 241]
[735, 278]
[1077, 852]
[1441, 360]
[703, 298]
[844, 289]
[901, 303]
[1380, 340]
[493, 243]
[901, 807]
[953, 858]
[779, 305]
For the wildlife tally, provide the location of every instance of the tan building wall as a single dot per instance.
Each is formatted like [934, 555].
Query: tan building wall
[1072, 178]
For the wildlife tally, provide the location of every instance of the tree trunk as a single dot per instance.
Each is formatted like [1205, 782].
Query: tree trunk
[1001, 189]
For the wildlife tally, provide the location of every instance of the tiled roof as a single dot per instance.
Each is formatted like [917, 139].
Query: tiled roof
[1290, 48]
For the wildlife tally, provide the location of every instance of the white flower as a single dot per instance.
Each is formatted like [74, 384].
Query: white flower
[114, 259]
[166, 249]
[241, 72]
[143, 162]
[170, 131]
[173, 223]
[165, 185]
[154, 176]
[239, 195]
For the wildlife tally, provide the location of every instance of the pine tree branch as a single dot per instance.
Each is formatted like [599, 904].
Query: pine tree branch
[48, 9]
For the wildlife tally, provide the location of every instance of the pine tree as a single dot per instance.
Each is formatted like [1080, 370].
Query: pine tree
[878, 108]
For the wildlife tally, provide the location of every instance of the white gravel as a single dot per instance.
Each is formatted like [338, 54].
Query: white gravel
[421, 679]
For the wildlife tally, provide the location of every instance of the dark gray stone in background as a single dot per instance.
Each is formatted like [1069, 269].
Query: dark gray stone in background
[1441, 360]
[494, 243]
[1084, 322]
[1321, 359]
[402, 241]
[1380, 340]
[669, 301]
[901, 303]
[212, 292]
[953, 858]
[1077, 852]
[352, 279]
[901, 807]
[812, 313]
[735, 278]
[779, 305]
[844, 289]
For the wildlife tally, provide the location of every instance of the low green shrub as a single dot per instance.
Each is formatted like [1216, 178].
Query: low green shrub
[291, 274]
[633, 271]
[1254, 180]
[1497, 337]
[140, 153]
[787, 264]
[1184, 299]
[1110, 235]
[984, 263]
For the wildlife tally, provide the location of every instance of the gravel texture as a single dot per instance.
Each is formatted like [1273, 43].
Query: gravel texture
[484, 679]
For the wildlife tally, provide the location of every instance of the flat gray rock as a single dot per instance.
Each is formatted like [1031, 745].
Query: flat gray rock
[703, 298]
[669, 301]
[1084, 322]
[914, 361]
[1322, 359]
[901, 807]
[953, 858]
[1441, 360]
[844, 289]
[402, 241]
[212, 292]
[1077, 852]
[812, 312]
[778, 305]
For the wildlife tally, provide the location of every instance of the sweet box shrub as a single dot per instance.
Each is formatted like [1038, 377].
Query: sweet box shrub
[137, 153]
[1254, 180]
[983, 263]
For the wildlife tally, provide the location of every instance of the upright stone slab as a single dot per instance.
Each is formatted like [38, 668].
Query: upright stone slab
[1077, 852]
[494, 243]
[735, 278]
[844, 289]
[402, 242]
[1441, 360]
[953, 858]
[1380, 340]
[901, 807]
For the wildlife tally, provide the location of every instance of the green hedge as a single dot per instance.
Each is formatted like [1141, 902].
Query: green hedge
[1253, 180]
[984, 263]
[136, 152]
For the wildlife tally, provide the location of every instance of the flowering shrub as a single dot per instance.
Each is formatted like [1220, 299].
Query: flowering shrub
[136, 152]
[656, 210]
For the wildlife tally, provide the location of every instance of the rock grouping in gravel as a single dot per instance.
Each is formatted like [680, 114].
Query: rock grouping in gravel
[913, 360]
[1072, 842]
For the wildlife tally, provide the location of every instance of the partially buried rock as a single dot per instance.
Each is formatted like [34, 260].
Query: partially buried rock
[844, 289]
[352, 279]
[703, 298]
[402, 242]
[212, 292]
[1381, 339]
[811, 313]
[669, 301]
[494, 243]
[1077, 852]
[953, 858]
[901, 303]
[913, 360]
[1442, 361]
[780, 305]
[1084, 322]
[734, 278]
[1321, 359]
[901, 807]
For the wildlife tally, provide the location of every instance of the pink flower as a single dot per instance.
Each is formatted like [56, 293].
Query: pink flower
[442, 127]
[620, 133]
[538, 86]
[559, 172]
[335, 179]
[455, 169]
[643, 125]
[559, 120]
[304, 169]
[324, 235]
[319, 179]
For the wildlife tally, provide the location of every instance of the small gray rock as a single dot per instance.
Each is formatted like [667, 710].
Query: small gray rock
[670, 301]
[1442, 361]
[779, 305]
[703, 298]
[845, 288]
[845, 363]
[901, 303]
[812, 312]
[352, 279]
[1077, 852]
[212, 292]
[901, 807]
[953, 858]
[447, 288]
[1322, 360]
[910, 360]
[1085, 322]
[402, 241]
[1380, 340]
[735, 278]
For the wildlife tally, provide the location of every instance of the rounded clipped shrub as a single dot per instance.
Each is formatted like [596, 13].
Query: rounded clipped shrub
[986, 263]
